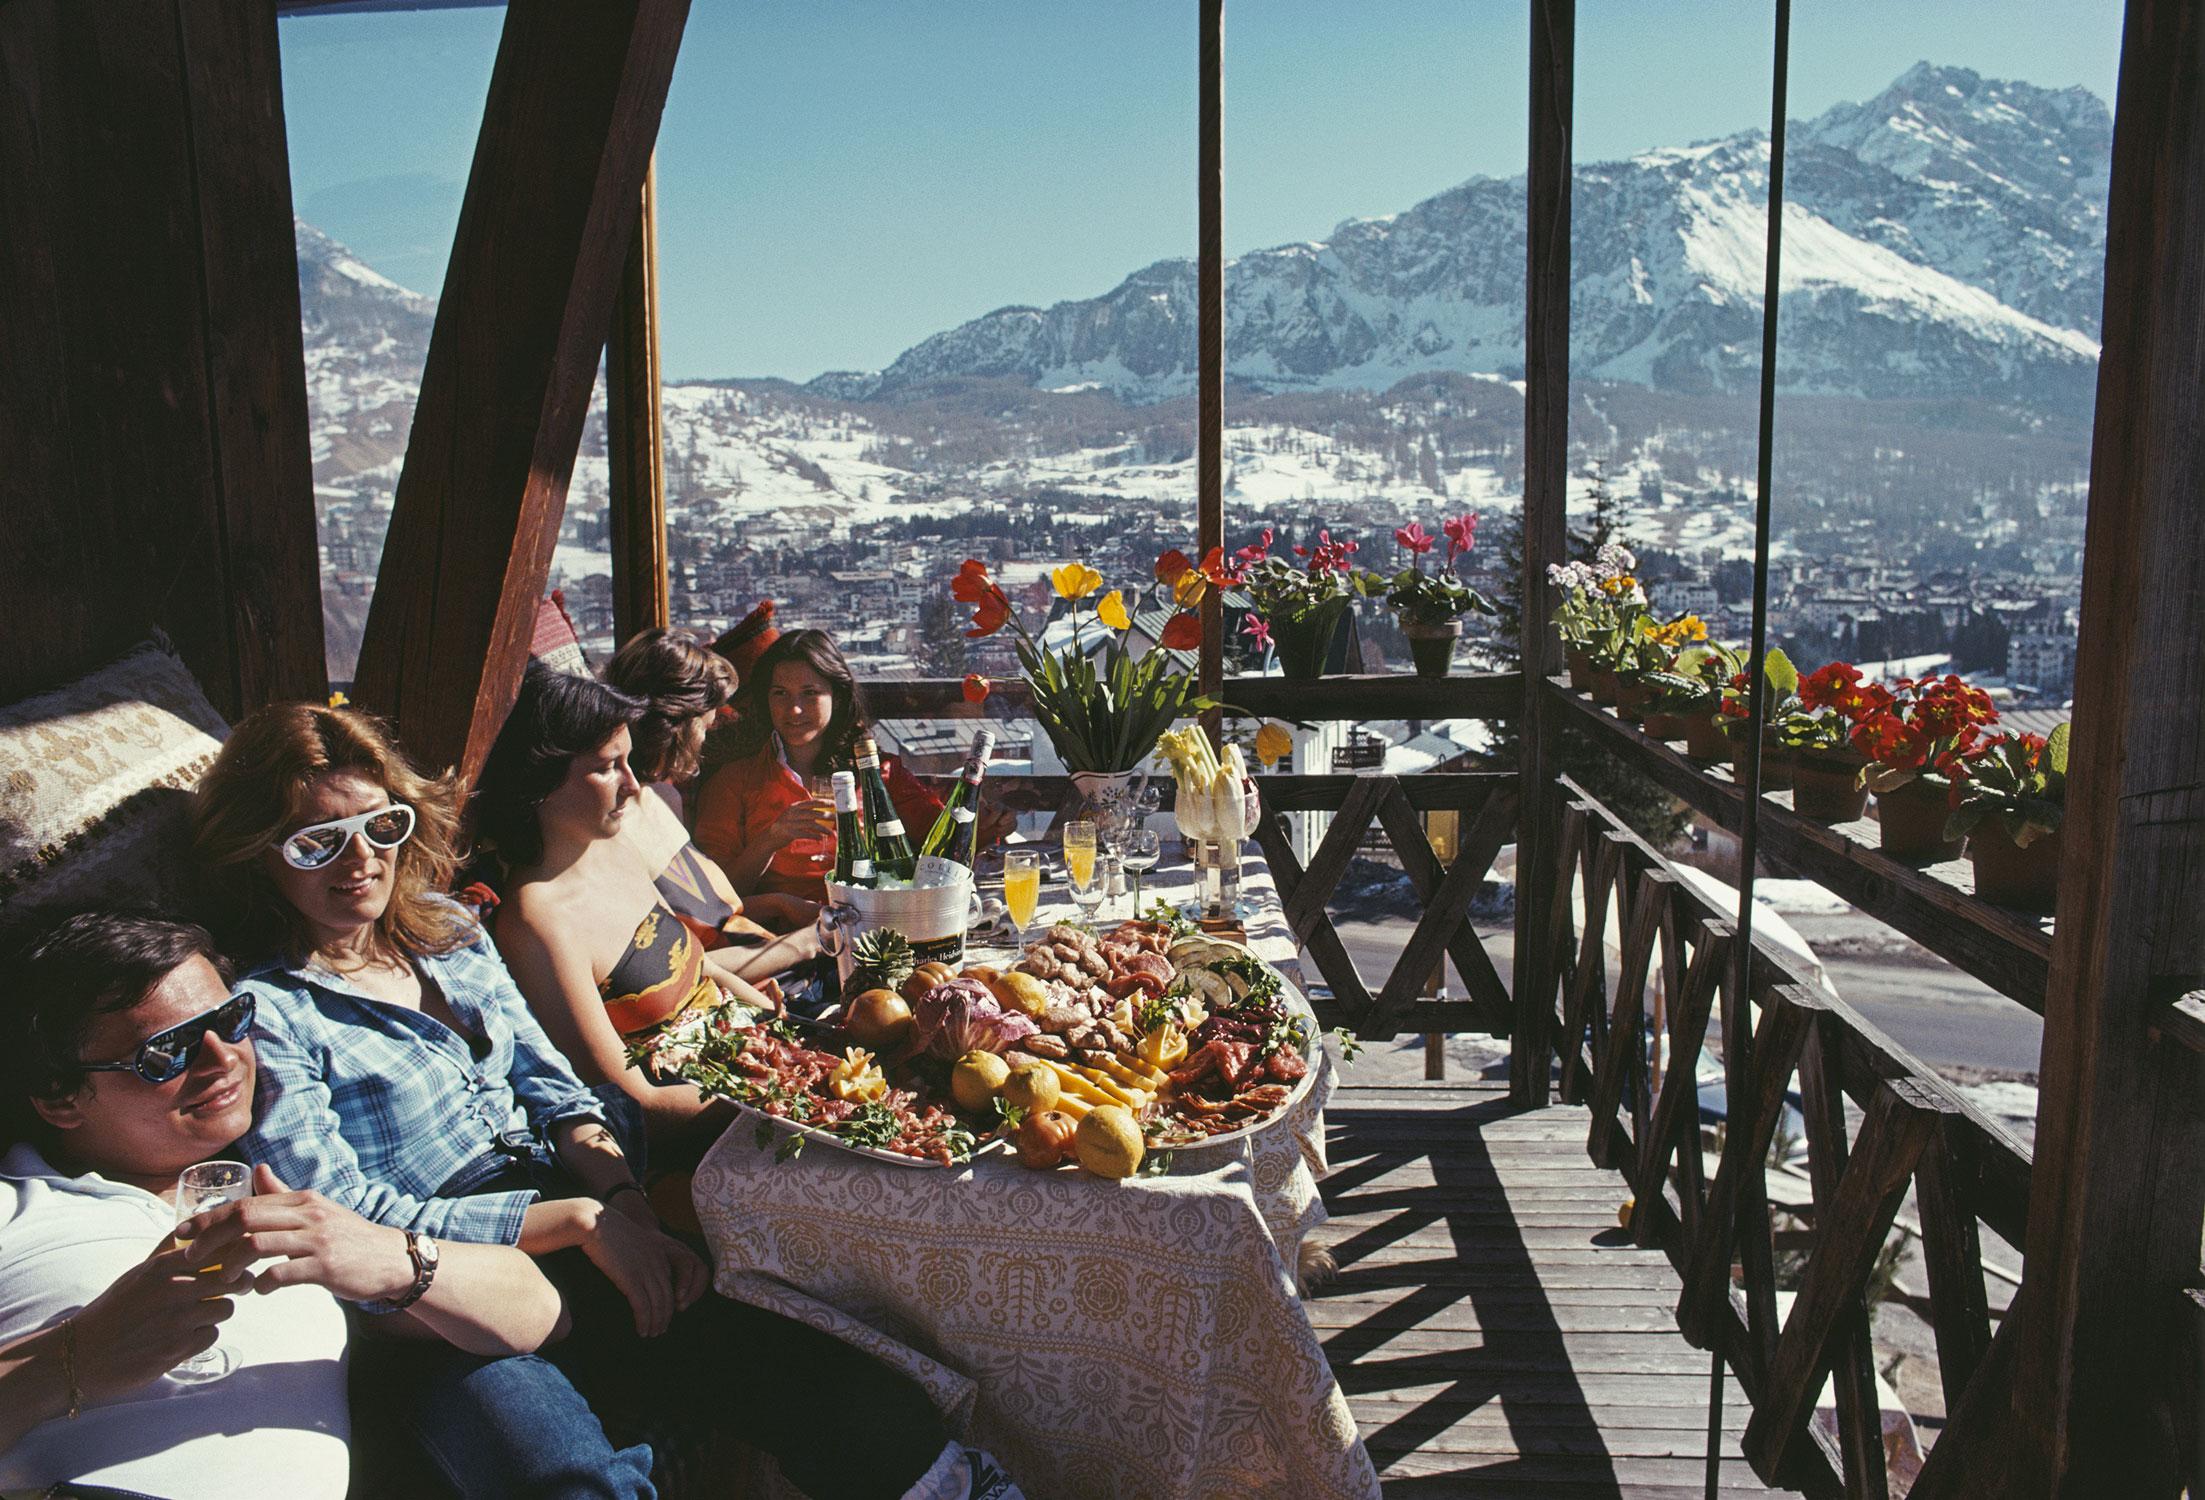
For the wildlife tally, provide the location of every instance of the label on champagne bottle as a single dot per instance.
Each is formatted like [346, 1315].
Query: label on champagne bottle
[888, 828]
[861, 870]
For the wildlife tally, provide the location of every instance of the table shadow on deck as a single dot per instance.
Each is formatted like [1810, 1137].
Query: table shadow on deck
[1495, 1332]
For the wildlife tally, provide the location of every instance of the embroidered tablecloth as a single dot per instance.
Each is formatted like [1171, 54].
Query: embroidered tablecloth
[1137, 1339]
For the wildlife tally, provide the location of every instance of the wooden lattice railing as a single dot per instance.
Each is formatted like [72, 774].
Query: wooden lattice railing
[1675, 960]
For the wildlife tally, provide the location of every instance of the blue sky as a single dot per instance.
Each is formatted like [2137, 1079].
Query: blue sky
[841, 178]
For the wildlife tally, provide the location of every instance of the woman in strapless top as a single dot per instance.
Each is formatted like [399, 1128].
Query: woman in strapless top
[599, 954]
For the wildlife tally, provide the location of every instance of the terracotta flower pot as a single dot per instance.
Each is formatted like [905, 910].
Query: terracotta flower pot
[1604, 686]
[1432, 646]
[1663, 726]
[1633, 697]
[1776, 764]
[1581, 670]
[2025, 879]
[1826, 785]
[1704, 738]
[1913, 821]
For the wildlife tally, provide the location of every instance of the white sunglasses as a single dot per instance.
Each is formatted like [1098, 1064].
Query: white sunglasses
[319, 843]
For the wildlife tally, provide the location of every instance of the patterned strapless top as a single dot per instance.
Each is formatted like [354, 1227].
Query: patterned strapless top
[660, 974]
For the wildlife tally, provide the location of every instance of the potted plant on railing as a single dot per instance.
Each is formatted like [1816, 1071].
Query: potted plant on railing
[1650, 647]
[1597, 597]
[1917, 738]
[1781, 681]
[1817, 740]
[1689, 696]
[1102, 704]
[2010, 801]
[1302, 607]
[1431, 605]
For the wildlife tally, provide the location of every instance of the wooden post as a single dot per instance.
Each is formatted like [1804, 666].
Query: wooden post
[544, 232]
[2074, 1399]
[635, 511]
[1210, 348]
[1546, 500]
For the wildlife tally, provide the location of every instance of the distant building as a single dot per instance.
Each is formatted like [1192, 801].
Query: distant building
[2042, 660]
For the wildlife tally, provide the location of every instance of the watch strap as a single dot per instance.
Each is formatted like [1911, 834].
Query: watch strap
[424, 1273]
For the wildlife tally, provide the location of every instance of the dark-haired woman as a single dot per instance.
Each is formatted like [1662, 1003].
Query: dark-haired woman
[589, 937]
[402, 1075]
[759, 815]
[686, 687]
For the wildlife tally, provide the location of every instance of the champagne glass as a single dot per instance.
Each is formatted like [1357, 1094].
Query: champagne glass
[210, 1184]
[1143, 848]
[820, 785]
[1090, 881]
[1079, 852]
[1022, 886]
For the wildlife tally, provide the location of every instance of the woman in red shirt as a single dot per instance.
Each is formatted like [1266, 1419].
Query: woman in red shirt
[801, 719]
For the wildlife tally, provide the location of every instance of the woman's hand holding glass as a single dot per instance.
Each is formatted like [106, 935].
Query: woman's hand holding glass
[807, 829]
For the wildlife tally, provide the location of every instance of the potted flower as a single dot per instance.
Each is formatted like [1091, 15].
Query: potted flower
[1917, 738]
[1651, 647]
[1817, 738]
[1688, 698]
[2009, 806]
[1101, 703]
[1431, 605]
[1301, 606]
[1781, 681]
[1599, 598]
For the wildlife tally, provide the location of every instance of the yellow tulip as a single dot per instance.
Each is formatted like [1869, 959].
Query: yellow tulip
[1188, 588]
[1111, 611]
[1075, 581]
[1273, 744]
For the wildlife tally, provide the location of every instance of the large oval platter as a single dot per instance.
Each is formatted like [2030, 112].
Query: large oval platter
[1298, 1006]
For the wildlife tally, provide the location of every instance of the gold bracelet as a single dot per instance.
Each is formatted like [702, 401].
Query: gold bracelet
[69, 1366]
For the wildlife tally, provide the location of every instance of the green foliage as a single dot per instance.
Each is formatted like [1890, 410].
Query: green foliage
[2020, 780]
[1106, 720]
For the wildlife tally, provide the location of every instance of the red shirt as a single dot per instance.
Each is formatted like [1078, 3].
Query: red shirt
[741, 800]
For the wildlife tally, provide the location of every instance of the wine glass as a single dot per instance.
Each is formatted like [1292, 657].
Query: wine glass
[1143, 848]
[820, 786]
[210, 1184]
[1021, 886]
[1089, 880]
[1079, 852]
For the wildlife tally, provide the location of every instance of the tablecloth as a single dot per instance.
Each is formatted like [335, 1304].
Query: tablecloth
[1139, 1339]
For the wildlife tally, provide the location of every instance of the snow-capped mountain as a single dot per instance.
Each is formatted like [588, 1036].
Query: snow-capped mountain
[366, 340]
[1944, 238]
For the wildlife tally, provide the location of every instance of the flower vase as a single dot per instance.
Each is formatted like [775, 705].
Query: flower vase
[1826, 786]
[2025, 879]
[1432, 646]
[1912, 817]
[1704, 738]
[1580, 664]
[1604, 686]
[1304, 641]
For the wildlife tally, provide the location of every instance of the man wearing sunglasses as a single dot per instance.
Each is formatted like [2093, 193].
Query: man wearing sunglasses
[124, 1059]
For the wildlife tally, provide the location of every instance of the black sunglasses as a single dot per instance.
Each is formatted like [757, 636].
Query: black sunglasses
[166, 1055]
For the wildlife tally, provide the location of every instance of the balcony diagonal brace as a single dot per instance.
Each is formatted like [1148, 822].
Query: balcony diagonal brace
[1447, 896]
[1677, 1109]
[1326, 950]
[1626, 1049]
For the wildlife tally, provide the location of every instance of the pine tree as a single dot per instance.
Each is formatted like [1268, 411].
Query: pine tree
[942, 636]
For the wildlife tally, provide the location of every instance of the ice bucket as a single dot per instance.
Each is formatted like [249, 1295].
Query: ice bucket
[932, 919]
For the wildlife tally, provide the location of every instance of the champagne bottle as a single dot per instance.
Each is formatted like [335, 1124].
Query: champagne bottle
[853, 840]
[892, 855]
[953, 839]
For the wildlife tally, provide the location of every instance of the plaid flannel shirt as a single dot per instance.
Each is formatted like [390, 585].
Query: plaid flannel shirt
[376, 1106]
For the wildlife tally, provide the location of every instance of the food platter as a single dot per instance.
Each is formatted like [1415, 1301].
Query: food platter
[1108, 1048]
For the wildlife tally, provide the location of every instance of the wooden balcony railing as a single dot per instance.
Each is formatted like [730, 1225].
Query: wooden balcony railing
[1675, 951]
[1486, 695]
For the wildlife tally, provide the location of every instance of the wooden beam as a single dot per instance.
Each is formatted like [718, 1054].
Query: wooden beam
[550, 212]
[256, 357]
[1209, 467]
[1546, 499]
[2115, 1207]
[635, 447]
[1493, 695]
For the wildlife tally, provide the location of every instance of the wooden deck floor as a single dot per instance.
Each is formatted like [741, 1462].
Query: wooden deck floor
[1495, 1332]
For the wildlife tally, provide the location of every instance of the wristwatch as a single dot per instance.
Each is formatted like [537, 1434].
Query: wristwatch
[423, 1252]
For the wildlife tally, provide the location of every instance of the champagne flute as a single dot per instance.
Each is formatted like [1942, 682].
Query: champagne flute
[820, 785]
[1143, 848]
[210, 1184]
[1022, 886]
[1079, 852]
[1090, 882]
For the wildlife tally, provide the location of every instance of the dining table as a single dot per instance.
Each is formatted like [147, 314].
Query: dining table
[1123, 1340]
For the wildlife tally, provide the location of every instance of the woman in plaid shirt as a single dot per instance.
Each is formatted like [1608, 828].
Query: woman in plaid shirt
[402, 1076]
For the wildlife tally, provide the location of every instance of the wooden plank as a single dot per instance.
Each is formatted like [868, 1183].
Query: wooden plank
[1899, 1123]
[1545, 526]
[1445, 923]
[1323, 944]
[1209, 460]
[1677, 1111]
[1935, 907]
[1952, 1256]
[1852, 1372]
[1305, 904]
[1625, 1052]
[635, 446]
[1343, 698]
[255, 352]
[2183, 1022]
[1426, 791]
[1588, 976]
[544, 231]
